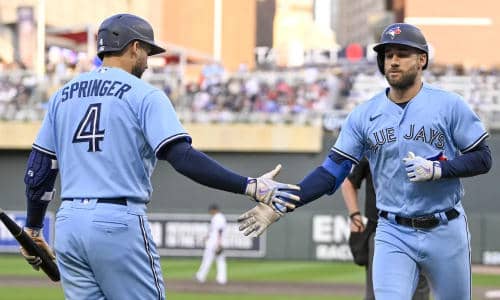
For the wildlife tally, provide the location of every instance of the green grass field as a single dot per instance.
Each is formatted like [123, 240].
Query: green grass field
[56, 294]
[283, 271]
[238, 270]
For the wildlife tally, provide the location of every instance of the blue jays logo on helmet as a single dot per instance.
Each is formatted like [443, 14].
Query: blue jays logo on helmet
[393, 32]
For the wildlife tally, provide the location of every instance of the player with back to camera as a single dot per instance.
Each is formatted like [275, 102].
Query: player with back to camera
[104, 130]
[419, 140]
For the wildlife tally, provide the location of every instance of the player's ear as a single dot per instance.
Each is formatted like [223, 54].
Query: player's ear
[134, 48]
[423, 59]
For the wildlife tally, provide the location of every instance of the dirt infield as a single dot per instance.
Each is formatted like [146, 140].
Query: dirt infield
[278, 288]
[306, 289]
[191, 286]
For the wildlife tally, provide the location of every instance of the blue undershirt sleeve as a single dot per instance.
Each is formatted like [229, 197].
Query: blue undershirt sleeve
[40, 177]
[35, 213]
[199, 167]
[474, 162]
[325, 179]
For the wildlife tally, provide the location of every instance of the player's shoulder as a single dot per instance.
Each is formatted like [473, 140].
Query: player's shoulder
[441, 93]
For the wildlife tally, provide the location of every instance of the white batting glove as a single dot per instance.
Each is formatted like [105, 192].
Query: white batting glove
[255, 221]
[264, 189]
[421, 169]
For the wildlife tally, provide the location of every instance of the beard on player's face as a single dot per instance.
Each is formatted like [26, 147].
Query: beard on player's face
[406, 80]
[139, 67]
[137, 71]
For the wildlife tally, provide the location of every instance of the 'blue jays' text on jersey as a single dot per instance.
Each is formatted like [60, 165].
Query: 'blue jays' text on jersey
[434, 121]
[105, 127]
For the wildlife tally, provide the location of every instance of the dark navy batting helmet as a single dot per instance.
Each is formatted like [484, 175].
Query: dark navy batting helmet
[400, 34]
[117, 31]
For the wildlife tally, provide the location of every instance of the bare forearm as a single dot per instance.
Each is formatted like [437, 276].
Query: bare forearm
[350, 195]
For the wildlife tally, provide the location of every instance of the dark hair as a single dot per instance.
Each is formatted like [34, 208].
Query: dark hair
[143, 45]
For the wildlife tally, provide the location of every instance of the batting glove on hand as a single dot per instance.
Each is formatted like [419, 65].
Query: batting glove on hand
[421, 169]
[37, 237]
[255, 221]
[264, 189]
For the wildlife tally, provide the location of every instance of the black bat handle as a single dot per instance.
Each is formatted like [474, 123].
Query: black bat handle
[48, 265]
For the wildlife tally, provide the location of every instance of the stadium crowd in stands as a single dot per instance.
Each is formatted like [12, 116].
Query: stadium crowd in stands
[300, 96]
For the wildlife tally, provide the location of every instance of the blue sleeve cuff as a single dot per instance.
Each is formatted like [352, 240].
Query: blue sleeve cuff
[338, 169]
[325, 179]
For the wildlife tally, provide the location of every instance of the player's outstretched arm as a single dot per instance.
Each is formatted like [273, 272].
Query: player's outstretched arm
[474, 162]
[199, 167]
[325, 179]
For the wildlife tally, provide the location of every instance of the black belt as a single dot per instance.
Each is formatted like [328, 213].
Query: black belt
[117, 201]
[423, 222]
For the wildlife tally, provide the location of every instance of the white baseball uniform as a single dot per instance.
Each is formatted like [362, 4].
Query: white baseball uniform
[214, 240]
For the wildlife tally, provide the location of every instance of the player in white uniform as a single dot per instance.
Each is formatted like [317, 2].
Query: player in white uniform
[214, 248]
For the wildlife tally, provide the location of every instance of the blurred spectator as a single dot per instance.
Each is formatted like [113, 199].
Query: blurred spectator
[300, 96]
[2, 65]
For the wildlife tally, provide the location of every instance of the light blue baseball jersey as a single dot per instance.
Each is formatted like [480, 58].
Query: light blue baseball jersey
[105, 127]
[433, 121]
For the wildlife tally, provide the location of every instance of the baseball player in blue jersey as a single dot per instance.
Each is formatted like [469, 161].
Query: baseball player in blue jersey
[104, 131]
[419, 141]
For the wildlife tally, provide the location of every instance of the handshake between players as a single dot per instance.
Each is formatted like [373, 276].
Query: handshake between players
[275, 199]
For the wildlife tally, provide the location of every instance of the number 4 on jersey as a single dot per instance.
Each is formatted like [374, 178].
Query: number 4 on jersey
[88, 130]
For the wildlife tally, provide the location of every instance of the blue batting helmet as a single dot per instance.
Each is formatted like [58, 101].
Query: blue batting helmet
[400, 34]
[117, 31]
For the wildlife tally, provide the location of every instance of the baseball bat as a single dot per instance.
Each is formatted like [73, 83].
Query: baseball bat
[48, 265]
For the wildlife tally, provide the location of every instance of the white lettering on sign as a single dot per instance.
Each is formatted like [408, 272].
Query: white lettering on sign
[4, 233]
[330, 229]
[331, 252]
[186, 234]
[156, 232]
[491, 257]
[330, 236]
[234, 239]
[322, 229]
